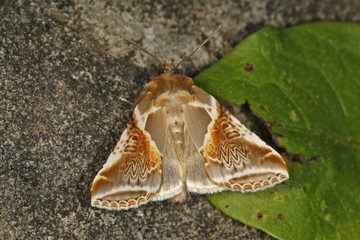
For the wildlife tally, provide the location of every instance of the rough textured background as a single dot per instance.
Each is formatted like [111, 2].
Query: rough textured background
[67, 81]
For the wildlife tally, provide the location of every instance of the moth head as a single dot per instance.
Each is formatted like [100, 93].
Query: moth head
[169, 67]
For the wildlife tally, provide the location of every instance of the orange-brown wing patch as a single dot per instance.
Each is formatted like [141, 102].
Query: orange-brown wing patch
[237, 158]
[132, 173]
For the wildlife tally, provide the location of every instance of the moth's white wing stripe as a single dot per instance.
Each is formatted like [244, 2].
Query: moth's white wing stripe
[223, 175]
[248, 135]
[119, 146]
[211, 113]
[141, 119]
[132, 187]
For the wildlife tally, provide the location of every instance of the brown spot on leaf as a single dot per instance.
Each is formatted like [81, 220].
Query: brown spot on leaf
[249, 67]
[260, 215]
[280, 216]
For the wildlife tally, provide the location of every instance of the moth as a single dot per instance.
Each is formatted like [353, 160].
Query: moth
[181, 139]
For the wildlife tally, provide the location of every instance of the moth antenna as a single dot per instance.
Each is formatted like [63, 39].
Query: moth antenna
[186, 58]
[141, 48]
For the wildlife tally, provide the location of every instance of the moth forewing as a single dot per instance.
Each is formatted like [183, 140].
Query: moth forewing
[237, 158]
[132, 173]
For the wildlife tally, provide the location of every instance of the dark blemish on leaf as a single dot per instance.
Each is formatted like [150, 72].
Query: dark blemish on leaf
[300, 158]
[226, 206]
[295, 157]
[280, 216]
[313, 159]
[249, 67]
[260, 215]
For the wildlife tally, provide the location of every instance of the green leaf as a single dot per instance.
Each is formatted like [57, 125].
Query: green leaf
[306, 79]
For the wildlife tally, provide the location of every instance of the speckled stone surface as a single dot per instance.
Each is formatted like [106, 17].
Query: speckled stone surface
[67, 84]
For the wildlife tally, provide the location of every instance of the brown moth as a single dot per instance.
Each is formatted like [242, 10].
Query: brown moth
[181, 139]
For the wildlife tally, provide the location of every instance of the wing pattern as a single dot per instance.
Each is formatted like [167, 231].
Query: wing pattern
[237, 158]
[132, 173]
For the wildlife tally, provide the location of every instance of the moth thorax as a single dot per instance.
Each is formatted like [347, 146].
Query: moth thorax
[175, 121]
[177, 131]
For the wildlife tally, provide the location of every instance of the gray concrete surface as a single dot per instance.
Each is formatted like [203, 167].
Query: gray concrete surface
[66, 80]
